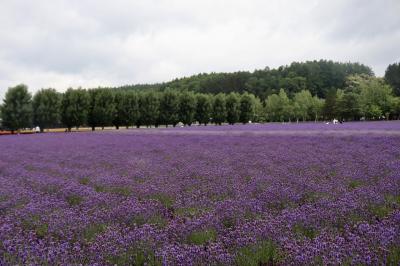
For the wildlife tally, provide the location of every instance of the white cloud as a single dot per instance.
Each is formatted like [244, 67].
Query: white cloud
[89, 43]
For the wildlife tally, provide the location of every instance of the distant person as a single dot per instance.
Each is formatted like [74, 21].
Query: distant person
[37, 129]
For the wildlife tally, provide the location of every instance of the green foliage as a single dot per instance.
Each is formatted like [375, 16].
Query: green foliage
[219, 109]
[131, 109]
[247, 108]
[187, 107]
[304, 103]
[317, 76]
[304, 231]
[90, 232]
[29, 222]
[293, 83]
[42, 230]
[84, 181]
[137, 220]
[285, 103]
[233, 110]
[311, 197]
[74, 108]
[169, 108]
[157, 220]
[35, 224]
[396, 108]
[393, 199]
[348, 106]
[46, 108]
[385, 208]
[212, 83]
[291, 92]
[264, 253]
[380, 210]
[122, 191]
[375, 97]
[126, 108]
[317, 107]
[100, 188]
[74, 200]
[16, 110]
[149, 106]
[166, 200]
[91, 119]
[202, 237]
[102, 108]
[229, 221]
[373, 112]
[119, 117]
[392, 77]
[318, 260]
[355, 184]
[393, 258]
[259, 111]
[203, 108]
[278, 106]
[11, 259]
[329, 110]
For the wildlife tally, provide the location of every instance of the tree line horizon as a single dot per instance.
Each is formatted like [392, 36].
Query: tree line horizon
[309, 91]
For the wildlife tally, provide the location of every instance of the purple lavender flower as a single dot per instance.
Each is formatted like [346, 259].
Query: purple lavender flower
[277, 193]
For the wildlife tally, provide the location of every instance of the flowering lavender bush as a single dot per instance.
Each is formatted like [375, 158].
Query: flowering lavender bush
[230, 195]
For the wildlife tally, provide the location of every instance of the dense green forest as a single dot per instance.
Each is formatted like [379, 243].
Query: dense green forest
[314, 90]
[316, 76]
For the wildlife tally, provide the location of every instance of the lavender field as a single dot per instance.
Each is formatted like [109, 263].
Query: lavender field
[271, 194]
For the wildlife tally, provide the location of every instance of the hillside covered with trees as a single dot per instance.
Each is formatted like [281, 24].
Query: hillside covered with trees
[316, 76]
[310, 91]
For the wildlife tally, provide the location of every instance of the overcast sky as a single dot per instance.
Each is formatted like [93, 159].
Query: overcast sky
[90, 43]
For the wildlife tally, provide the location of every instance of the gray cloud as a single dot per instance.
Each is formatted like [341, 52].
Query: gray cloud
[62, 43]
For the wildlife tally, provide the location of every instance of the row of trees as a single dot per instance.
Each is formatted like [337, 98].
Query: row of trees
[392, 77]
[106, 107]
[362, 97]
